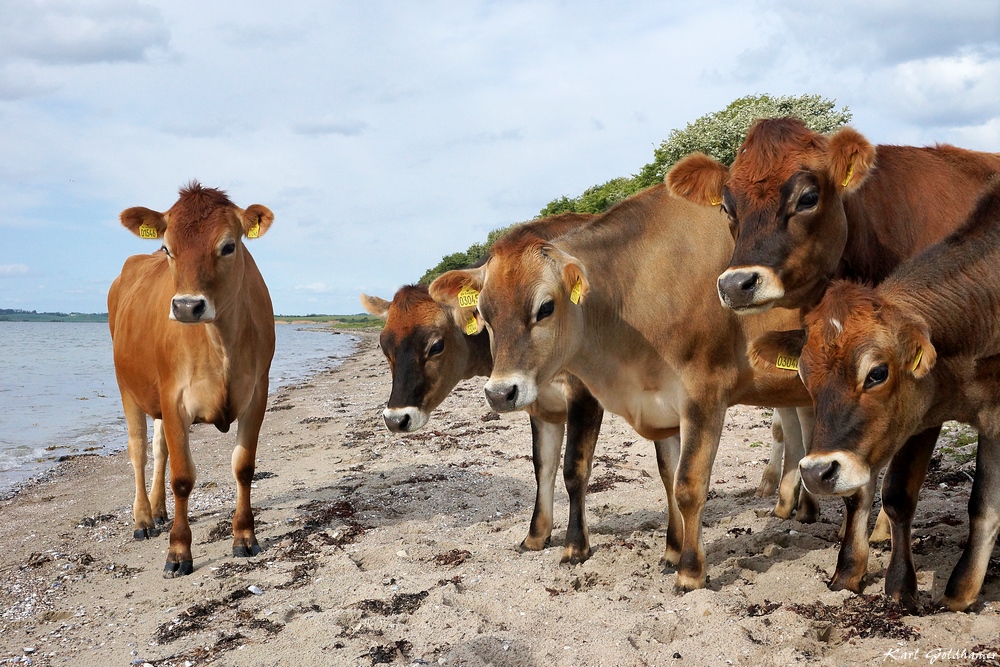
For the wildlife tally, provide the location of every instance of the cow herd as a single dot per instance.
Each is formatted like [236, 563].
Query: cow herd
[853, 288]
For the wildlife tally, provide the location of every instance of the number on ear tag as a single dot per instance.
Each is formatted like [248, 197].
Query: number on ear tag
[148, 232]
[472, 326]
[468, 297]
[574, 294]
[787, 363]
[254, 231]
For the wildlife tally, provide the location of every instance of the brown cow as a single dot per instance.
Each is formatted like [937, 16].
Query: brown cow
[667, 357]
[883, 363]
[193, 336]
[805, 208]
[429, 354]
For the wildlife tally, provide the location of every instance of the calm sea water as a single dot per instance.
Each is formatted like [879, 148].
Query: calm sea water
[59, 397]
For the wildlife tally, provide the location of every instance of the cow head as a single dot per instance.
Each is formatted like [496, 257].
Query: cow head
[864, 361]
[784, 198]
[202, 236]
[428, 355]
[529, 296]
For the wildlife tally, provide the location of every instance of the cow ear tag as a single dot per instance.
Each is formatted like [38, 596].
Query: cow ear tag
[472, 326]
[916, 362]
[148, 232]
[850, 174]
[254, 232]
[468, 297]
[787, 363]
[574, 294]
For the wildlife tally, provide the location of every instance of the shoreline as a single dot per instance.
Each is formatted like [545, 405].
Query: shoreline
[389, 549]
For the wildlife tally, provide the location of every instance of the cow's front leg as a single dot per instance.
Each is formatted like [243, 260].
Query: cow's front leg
[244, 462]
[808, 507]
[701, 428]
[668, 453]
[583, 426]
[788, 488]
[182, 478]
[772, 472]
[900, 490]
[158, 492]
[984, 524]
[852, 561]
[144, 526]
[546, 441]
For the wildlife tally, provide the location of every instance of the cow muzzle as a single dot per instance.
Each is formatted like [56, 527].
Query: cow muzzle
[834, 473]
[750, 289]
[404, 420]
[191, 309]
[511, 393]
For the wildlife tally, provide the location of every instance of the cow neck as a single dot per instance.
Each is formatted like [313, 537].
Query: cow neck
[867, 258]
[480, 362]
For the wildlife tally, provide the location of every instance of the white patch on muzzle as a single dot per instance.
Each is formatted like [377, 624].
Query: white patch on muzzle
[397, 422]
[499, 389]
[851, 473]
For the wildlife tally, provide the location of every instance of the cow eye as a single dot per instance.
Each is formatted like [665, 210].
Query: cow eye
[808, 200]
[165, 250]
[228, 249]
[877, 376]
[436, 348]
[545, 310]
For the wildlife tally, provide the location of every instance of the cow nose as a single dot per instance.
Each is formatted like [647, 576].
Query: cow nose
[738, 288]
[188, 309]
[820, 477]
[502, 397]
[396, 422]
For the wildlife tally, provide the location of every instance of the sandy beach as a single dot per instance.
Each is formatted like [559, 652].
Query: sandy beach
[382, 549]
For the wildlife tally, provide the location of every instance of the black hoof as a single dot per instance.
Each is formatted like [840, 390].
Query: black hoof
[161, 520]
[243, 551]
[172, 570]
[145, 533]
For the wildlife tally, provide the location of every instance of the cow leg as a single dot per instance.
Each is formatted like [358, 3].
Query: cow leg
[808, 508]
[182, 478]
[769, 478]
[788, 489]
[701, 428]
[583, 427]
[142, 513]
[158, 493]
[546, 441]
[244, 462]
[852, 561]
[900, 490]
[984, 524]
[668, 453]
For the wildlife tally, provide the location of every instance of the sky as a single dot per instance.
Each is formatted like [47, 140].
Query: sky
[384, 135]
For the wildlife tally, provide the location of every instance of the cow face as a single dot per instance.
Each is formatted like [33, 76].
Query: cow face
[863, 362]
[529, 298]
[202, 236]
[784, 198]
[428, 355]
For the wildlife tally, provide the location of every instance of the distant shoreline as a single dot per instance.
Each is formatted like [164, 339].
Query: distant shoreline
[338, 321]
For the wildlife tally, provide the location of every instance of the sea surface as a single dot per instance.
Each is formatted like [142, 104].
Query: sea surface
[59, 397]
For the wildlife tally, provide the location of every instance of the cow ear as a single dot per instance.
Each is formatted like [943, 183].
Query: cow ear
[851, 158]
[375, 306]
[256, 219]
[778, 348]
[458, 291]
[917, 355]
[699, 179]
[143, 222]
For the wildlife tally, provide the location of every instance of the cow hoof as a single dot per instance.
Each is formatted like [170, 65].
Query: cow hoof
[686, 584]
[807, 514]
[783, 510]
[173, 570]
[575, 556]
[243, 551]
[845, 585]
[533, 544]
[145, 533]
[161, 520]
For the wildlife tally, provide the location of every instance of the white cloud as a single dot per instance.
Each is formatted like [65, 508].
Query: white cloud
[318, 286]
[13, 270]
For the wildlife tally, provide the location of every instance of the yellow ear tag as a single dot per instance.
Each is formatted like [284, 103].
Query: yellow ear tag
[714, 202]
[574, 294]
[468, 297]
[254, 232]
[916, 362]
[147, 232]
[472, 326]
[850, 173]
[787, 363]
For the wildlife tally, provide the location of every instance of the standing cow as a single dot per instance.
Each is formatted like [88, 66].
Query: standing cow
[805, 208]
[883, 363]
[193, 336]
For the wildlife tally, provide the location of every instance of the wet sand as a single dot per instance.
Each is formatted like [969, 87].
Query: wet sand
[388, 549]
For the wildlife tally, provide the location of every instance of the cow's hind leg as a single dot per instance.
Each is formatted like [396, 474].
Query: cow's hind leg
[182, 478]
[158, 492]
[984, 524]
[668, 453]
[583, 426]
[808, 507]
[772, 473]
[244, 462]
[900, 490]
[142, 513]
[546, 441]
[791, 482]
